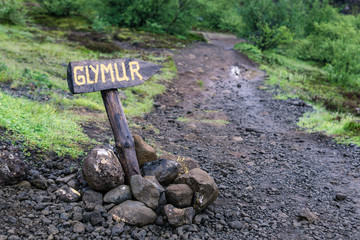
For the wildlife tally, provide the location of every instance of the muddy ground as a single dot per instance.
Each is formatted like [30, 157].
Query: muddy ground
[275, 180]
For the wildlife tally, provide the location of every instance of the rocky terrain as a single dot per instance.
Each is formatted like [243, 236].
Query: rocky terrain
[275, 181]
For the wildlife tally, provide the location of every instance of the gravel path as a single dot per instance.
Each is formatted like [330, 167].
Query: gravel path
[275, 181]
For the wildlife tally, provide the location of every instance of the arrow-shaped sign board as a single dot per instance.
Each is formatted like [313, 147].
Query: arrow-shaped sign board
[93, 75]
[107, 76]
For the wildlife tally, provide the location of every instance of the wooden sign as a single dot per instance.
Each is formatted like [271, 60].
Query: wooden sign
[106, 76]
[93, 75]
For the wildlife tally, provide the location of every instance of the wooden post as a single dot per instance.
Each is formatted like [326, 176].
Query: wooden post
[124, 142]
[107, 76]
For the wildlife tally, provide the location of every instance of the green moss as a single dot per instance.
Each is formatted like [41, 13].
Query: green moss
[343, 127]
[42, 126]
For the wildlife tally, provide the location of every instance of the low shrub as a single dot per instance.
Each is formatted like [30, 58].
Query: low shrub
[268, 37]
[335, 46]
[59, 7]
[11, 12]
[250, 50]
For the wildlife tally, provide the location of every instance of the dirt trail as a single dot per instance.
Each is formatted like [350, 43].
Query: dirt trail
[268, 170]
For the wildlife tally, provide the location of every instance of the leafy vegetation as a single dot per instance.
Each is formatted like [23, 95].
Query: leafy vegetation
[33, 68]
[42, 126]
[11, 12]
[335, 46]
[59, 7]
[316, 58]
[219, 15]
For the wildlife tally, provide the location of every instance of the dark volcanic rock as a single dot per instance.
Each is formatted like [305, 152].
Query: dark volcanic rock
[118, 195]
[144, 152]
[102, 169]
[12, 170]
[156, 182]
[235, 225]
[91, 199]
[79, 228]
[68, 194]
[204, 187]
[133, 213]
[40, 182]
[145, 191]
[177, 216]
[308, 216]
[164, 170]
[179, 195]
[186, 163]
[340, 197]
[95, 218]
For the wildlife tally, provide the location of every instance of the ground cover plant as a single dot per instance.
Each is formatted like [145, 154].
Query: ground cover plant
[36, 107]
[319, 65]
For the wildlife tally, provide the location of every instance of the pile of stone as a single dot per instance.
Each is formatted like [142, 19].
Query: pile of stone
[167, 190]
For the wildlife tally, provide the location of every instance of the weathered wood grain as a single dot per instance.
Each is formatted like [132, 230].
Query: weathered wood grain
[96, 75]
[124, 143]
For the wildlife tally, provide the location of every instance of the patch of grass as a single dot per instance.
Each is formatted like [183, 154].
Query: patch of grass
[139, 99]
[35, 61]
[299, 79]
[290, 77]
[343, 127]
[250, 50]
[42, 126]
[200, 83]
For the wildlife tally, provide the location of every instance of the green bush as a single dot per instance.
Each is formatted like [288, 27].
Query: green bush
[250, 50]
[353, 126]
[11, 12]
[219, 15]
[269, 23]
[171, 16]
[270, 37]
[59, 7]
[335, 45]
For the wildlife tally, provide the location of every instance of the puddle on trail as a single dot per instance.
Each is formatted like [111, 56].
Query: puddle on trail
[235, 72]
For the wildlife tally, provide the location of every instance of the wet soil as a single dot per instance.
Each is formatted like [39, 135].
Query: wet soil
[270, 173]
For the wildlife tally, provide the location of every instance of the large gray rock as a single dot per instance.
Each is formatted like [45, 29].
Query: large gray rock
[144, 152]
[177, 217]
[179, 195]
[91, 199]
[164, 170]
[133, 213]
[12, 170]
[204, 187]
[186, 163]
[156, 182]
[145, 191]
[102, 169]
[118, 195]
[68, 194]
